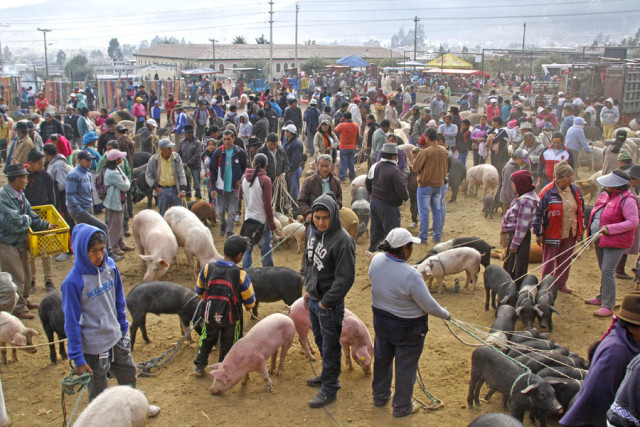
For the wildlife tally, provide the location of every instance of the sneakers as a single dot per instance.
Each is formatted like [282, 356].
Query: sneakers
[153, 411]
[314, 381]
[116, 257]
[237, 220]
[127, 233]
[603, 312]
[593, 301]
[623, 276]
[33, 287]
[126, 248]
[414, 408]
[321, 400]
[198, 371]
[117, 251]
[223, 231]
[64, 257]
[49, 287]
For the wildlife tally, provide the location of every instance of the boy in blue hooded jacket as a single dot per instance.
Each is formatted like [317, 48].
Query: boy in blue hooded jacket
[95, 315]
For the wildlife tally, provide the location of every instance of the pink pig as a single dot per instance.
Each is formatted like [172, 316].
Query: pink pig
[14, 334]
[251, 352]
[355, 339]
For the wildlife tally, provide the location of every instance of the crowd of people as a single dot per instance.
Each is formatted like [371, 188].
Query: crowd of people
[237, 150]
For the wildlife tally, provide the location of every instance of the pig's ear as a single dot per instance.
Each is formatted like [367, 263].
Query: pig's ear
[32, 332]
[19, 339]
[220, 376]
[163, 263]
[147, 258]
[529, 389]
[518, 310]
[538, 311]
[552, 308]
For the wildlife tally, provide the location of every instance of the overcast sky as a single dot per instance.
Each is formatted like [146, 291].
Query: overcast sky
[90, 24]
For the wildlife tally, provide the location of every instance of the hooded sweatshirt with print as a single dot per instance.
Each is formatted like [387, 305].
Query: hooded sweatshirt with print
[95, 317]
[609, 116]
[330, 257]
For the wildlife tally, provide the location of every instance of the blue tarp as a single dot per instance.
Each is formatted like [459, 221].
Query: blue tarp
[353, 61]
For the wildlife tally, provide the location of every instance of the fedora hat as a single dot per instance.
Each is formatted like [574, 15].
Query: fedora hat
[16, 170]
[629, 310]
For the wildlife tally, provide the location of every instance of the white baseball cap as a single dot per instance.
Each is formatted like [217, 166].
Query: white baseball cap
[398, 237]
[290, 128]
[152, 123]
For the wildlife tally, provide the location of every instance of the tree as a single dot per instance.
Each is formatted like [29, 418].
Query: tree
[309, 42]
[61, 58]
[262, 40]
[96, 55]
[465, 49]
[261, 68]
[143, 45]
[114, 50]
[372, 43]
[78, 69]
[6, 54]
[402, 39]
[128, 49]
[239, 40]
[315, 63]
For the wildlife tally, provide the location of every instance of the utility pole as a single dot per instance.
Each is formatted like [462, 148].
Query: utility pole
[524, 32]
[297, 9]
[415, 36]
[46, 62]
[270, 39]
[213, 51]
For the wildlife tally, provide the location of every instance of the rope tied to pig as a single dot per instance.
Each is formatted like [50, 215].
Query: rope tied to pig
[69, 384]
[144, 368]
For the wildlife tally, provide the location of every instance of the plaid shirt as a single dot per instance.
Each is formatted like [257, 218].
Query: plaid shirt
[519, 218]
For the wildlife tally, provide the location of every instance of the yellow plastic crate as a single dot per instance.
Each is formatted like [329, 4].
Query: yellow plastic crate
[49, 242]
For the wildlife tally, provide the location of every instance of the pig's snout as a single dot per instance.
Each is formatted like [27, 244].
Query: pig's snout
[559, 410]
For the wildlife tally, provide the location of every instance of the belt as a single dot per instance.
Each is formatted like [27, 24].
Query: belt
[163, 186]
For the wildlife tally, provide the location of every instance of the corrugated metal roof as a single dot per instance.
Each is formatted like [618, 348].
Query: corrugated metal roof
[261, 51]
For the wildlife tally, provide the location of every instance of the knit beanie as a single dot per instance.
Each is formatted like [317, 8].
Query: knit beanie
[562, 169]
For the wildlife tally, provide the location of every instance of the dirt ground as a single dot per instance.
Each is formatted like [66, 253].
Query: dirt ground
[32, 386]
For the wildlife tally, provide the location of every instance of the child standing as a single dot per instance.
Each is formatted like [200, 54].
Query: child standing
[92, 291]
[156, 112]
[223, 287]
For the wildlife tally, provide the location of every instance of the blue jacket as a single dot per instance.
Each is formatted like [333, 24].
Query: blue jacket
[95, 318]
[311, 119]
[79, 191]
[294, 151]
[566, 124]
[219, 161]
[181, 122]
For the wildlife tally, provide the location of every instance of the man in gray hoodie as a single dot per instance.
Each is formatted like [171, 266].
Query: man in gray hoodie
[330, 260]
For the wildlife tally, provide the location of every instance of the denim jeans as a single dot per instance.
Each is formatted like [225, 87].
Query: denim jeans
[429, 198]
[402, 340]
[167, 199]
[226, 202]
[384, 218]
[326, 324]
[443, 202]
[195, 173]
[265, 247]
[463, 157]
[346, 161]
[294, 183]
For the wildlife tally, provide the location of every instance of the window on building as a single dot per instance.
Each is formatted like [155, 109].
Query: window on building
[235, 65]
[221, 68]
[278, 67]
[293, 65]
[286, 66]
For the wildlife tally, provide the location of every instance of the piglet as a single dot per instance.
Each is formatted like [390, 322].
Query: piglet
[13, 333]
[545, 301]
[204, 211]
[356, 342]
[154, 236]
[299, 233]
[505, 322]
[250, 353]
[450, 262]
[525, 305]
[116, 406]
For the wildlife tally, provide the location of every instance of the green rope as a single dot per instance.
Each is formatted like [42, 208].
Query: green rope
[435, 402]
[69, 384]
[517, 362]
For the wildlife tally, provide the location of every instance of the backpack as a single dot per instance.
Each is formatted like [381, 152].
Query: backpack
[220, 299]
[101, 189]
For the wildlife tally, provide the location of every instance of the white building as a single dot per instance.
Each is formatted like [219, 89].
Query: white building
[122, 68]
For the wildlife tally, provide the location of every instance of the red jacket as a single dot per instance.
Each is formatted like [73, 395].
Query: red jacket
[548, 221]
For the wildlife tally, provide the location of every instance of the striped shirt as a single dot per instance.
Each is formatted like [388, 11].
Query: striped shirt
[246, 288]
[519, 218]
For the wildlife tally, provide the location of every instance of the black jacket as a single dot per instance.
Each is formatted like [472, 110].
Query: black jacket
[281, 159]
[49, 128]
[330, 257]
[40, 189]
[261, 129]
[387, 185]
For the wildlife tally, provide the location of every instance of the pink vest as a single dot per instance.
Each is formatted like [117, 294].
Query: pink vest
[612, 214]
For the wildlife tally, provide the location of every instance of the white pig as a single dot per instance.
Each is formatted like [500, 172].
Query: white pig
[299, 233]
[154, 236]
[356, 342]
[358, 181]
[250, 353]
[116, 406]
[284, 220]
[449, 262]
[14, 334]
[487, 175]
[193, 235]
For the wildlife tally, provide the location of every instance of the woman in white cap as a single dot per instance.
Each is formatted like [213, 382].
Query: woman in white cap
[615, 216]
[401, 304]
[117, 184]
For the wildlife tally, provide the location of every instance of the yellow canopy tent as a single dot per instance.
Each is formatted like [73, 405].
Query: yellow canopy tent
[449, 61]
